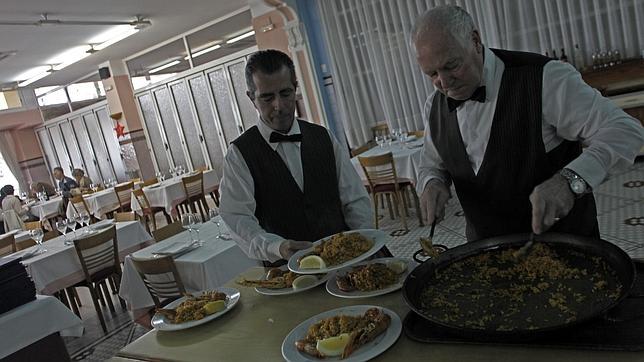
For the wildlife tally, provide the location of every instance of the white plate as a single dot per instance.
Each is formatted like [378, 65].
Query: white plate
[379, 238]
[332, 286]
[364, 353]
[160, 322]
[286, 291]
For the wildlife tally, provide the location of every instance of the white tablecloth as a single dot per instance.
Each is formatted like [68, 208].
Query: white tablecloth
[406, 158]
[47, 209]
[206, 267]
[59, 267]
[34, 321]
[99, 203]
[170, 193]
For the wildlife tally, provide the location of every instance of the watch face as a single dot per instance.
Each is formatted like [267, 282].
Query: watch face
[578, 186]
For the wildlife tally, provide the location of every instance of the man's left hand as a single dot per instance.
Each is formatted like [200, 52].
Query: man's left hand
[550, 200]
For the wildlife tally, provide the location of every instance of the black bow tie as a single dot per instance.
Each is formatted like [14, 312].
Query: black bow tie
[478, 95]
[278, 137]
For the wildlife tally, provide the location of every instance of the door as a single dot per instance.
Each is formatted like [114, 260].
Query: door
[191, 131]
[112, 143]
[223, 104]
[247, 110]
[85, 146]
[169, 125]
[98, 144]
[61, 150]
[72, 145]
[157, 143]
[48, 149]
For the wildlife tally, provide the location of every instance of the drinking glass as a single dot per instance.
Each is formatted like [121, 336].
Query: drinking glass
[71, 223]
[195, 223]
[213, 214]
[84, 220]
[380, 140]
[186, 222]
[37, 235]
[388, 139]
[61, 226]
[23, 195]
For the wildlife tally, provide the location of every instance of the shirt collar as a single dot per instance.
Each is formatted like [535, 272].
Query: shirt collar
[266, 131]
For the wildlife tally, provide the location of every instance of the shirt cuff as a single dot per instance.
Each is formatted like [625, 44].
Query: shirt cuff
[273, 249]
[420, 187]
[589, 169]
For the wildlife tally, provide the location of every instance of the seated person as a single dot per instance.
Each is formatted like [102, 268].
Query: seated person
[83, 181]
[65, 184]
[40, 186]
[11, 202]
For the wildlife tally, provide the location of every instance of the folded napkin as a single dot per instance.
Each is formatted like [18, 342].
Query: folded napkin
[176, 248]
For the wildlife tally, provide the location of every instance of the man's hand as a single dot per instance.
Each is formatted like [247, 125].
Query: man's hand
[550, 200]
[433, 200]
[289, 247]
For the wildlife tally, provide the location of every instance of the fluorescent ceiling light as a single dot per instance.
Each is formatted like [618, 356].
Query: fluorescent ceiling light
[240, 37]
[204, 51]
[32, 72]
[164, 66]
[116, 34]
[33, 79]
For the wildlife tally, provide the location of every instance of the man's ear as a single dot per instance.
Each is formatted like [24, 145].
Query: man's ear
[476, 39]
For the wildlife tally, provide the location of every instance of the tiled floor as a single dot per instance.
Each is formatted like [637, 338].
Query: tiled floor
[620, 203]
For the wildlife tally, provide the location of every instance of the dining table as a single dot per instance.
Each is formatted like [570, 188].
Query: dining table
[99, 204]
[205, 267]
[170, 192]
[56, 266]
[256, 327]
[44, 210]
[406, 157]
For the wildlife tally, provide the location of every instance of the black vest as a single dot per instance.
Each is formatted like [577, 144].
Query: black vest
[496, 200]
[282, 208]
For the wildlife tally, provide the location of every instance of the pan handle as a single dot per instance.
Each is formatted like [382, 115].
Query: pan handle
[627, 310]
[420, 256]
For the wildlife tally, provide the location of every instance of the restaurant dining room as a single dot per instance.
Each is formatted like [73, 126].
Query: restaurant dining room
[322, 180]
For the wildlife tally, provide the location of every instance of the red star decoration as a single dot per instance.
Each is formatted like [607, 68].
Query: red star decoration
[120, 130]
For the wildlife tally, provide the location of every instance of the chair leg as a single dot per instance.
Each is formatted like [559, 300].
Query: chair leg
[108, 297]
[375, 209]
[400, 203]
[168, 219]
[113, 286]
[391, 211]
[417, 205]
[71, 292]
[97, 306]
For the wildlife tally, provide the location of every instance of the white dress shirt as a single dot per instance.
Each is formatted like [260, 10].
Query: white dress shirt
[571, 110]
[238, 201]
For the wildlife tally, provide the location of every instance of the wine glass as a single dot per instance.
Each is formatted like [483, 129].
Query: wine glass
[213, 215]
[380, 140]
[186, 222]
[72, 222]
[388, 139]
[61, 226]
[23, 196]
[195, 224]
[84, 220]
[37, 235]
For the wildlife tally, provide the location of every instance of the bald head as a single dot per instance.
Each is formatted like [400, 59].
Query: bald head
[448, 19]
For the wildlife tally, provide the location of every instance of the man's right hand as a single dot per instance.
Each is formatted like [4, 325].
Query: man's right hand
[433, 201]
[289, 247]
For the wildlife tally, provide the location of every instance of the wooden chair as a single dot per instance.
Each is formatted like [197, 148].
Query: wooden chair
[364, 148]
[149, 213]
[193, 187]
[80, 205]
[99, 258]
[161, 278]
[202, 168]
[418, 134]
[214, 194]
[149, 182]
[124, 216]
[167, 231]
[380, 130]
[381, 175]
[124, 195]
[50, 235]
[33, 225]
[7, 245]
[24, 244]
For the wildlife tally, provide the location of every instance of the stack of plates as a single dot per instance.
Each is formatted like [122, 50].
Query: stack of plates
[16, 288]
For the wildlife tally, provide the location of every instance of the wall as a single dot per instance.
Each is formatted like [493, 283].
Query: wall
[21, 122]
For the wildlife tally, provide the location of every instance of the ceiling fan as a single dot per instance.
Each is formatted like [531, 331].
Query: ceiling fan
[139, 23]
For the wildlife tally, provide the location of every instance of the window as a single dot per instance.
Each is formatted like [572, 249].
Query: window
[10, 99]
[7, 178]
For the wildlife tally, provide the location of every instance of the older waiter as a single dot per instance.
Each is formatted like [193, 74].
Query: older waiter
[507, 128]
[286, 182]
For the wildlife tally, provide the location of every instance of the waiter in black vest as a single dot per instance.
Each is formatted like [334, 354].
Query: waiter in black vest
[286, 182]
[507, 129]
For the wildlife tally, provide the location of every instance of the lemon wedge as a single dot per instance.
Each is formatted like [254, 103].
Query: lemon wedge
[304, 281]
[333, 346]
[397, 266]
[312, 262]
[214, 307]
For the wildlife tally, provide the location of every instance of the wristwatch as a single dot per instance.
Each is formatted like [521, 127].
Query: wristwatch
[578, 186]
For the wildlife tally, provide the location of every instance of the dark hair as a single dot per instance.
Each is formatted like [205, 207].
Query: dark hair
[58, 168]
[78, 172]
[7, 190]
[267, 61]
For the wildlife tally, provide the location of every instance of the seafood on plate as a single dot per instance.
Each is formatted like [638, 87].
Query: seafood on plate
[195, 308]
[342, 247]
[341, 335]
[370, 277]
[275, 279]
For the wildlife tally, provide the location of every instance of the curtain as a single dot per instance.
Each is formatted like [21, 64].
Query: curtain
[374, 67]
[8, 151]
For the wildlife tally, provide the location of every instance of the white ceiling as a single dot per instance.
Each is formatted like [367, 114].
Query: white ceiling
[36, 44]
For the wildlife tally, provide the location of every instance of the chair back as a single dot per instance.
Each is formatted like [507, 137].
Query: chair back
[12, 221]
[79, 204]
[167, 231]
[160, 277]
[24, 244]
[124, 216]
[124, 194]
[379, 170]
[149, 182]
[202, 168]
[33, 225]
[364, 148]
[193, 185]
[140, 197]
[50, 235]
[97, 253]
[7, 244]
[419, 134]
[380, 130]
